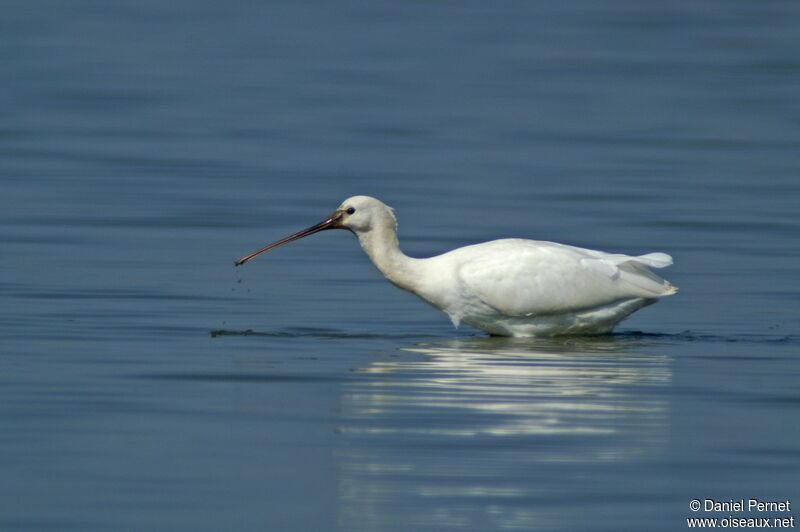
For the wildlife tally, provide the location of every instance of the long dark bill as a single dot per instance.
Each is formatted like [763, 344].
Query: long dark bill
[330, 223]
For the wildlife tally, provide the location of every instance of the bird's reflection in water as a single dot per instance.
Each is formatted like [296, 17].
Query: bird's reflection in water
[482, 433]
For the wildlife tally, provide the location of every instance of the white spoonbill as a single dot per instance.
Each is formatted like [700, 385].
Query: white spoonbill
[510, 287]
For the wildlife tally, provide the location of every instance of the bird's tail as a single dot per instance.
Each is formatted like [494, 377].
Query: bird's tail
[646, 279]
[654, 260]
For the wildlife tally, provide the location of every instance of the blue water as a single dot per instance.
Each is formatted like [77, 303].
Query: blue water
[147, 384]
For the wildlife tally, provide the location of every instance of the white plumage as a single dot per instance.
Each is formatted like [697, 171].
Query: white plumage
[510, 287]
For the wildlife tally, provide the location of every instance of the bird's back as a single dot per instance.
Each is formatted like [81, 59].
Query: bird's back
[527, 277]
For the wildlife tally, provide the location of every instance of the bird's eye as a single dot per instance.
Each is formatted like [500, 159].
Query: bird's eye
[350, 210]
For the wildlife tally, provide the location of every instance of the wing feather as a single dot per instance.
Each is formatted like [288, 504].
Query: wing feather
[526, 277]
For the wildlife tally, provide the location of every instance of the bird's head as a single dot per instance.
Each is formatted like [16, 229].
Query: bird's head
[359, 214]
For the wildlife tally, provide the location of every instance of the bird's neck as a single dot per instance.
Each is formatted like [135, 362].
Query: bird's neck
[383, 249]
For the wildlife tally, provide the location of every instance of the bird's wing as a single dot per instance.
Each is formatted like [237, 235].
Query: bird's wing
[526, 277]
